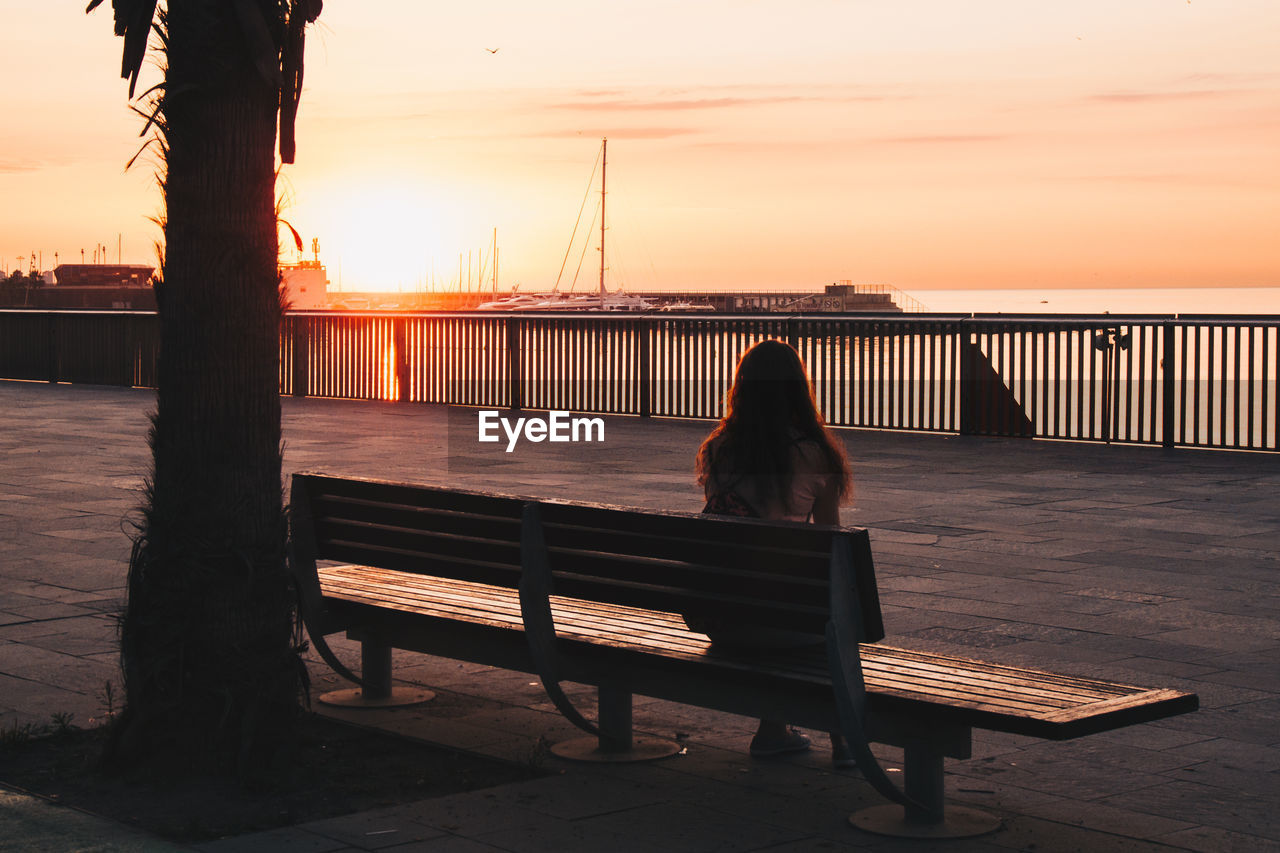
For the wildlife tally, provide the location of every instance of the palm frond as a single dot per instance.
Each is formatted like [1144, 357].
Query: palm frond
[297, 238]
[301, 13]
[262, 47]
[133, 22]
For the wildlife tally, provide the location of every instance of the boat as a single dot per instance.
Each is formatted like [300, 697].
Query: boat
[685, 306]
[510, 303]
[554, 300]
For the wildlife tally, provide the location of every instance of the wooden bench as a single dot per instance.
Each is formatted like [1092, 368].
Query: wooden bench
[594, 594]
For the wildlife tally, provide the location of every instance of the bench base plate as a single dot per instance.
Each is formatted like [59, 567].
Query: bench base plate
[960, 822]
[642, 749]
[353, 697]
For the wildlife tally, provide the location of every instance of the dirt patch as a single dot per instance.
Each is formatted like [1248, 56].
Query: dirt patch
[339, 769]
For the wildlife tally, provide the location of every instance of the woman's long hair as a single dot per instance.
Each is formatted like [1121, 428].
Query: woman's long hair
[770, 409]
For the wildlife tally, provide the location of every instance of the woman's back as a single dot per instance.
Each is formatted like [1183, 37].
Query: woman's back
[771, 448]
[809, 487]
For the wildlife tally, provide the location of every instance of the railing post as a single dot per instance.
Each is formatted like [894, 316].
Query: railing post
[130, 347]
[515, 386]
[301, 345]
[399, 336]
[1168, 431]
[967, 379]
[51, 365]
[646, 368]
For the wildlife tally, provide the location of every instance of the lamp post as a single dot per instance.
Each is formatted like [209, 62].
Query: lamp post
[1107, 341]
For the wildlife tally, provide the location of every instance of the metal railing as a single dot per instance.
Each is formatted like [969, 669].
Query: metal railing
[1204, 381]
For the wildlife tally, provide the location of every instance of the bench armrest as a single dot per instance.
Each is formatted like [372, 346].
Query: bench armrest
[843, 631]
[535, 611]
[301, 558]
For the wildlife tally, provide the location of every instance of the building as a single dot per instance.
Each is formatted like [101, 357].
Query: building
[306, 285]
[117, 286]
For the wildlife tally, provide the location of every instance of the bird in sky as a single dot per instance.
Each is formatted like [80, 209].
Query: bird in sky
[493, 49]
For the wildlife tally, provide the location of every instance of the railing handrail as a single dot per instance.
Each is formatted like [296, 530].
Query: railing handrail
[827, 316]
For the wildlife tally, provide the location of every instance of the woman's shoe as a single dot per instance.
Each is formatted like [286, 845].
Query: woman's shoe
[792, 741]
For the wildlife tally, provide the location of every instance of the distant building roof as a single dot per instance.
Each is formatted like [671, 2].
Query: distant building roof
[103, 275]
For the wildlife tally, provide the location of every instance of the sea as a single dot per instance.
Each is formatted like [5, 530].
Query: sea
[1145, 300]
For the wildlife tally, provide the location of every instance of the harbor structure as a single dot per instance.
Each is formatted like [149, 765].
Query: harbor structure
[118, 286]
[305, 285]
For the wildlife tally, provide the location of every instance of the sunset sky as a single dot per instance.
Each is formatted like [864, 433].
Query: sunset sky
[752, 144]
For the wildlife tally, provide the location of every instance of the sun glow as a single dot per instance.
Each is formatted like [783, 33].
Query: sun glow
[380, 235]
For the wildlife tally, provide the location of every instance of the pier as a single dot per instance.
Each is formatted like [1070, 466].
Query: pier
[836, 297]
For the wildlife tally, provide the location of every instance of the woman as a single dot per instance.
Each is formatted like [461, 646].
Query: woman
[772, 457]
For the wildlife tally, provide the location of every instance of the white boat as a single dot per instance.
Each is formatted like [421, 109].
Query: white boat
[616, 301]
[510, 303]
[554, 300]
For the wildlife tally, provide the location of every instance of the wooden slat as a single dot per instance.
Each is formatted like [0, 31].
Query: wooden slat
[726, 546]
[410, 561]
[1017, 696]
[427, 543]
[1117, 703]
[585, 616]
[1006, 673]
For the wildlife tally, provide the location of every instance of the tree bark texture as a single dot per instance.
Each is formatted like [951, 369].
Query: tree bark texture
[211, 671]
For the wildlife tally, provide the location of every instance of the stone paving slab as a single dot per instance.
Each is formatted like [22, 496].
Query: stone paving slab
[1128, 563]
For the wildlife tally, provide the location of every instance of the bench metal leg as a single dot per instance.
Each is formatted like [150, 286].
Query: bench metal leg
[375, 670]
[377, 690]
[615, 719]
[923, 781]
[617, 741]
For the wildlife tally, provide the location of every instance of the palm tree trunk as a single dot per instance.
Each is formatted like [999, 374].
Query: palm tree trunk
[212, 675]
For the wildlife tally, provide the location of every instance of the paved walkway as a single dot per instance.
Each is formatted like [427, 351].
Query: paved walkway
[1134, 564]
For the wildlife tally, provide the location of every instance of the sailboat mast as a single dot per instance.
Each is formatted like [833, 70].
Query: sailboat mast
[604, 164]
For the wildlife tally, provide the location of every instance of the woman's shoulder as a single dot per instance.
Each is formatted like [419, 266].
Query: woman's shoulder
[810, 454]
[802, 444]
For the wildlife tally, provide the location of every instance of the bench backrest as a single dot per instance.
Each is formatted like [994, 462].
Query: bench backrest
[428, 530]
[738, 570]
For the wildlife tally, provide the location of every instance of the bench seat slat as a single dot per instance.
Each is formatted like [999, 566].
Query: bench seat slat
[956, 684]
[574, 620]
[924, 662]
[891, 673]
[477, 598]
[936, 672]
[1118, 703]
[633, 623]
